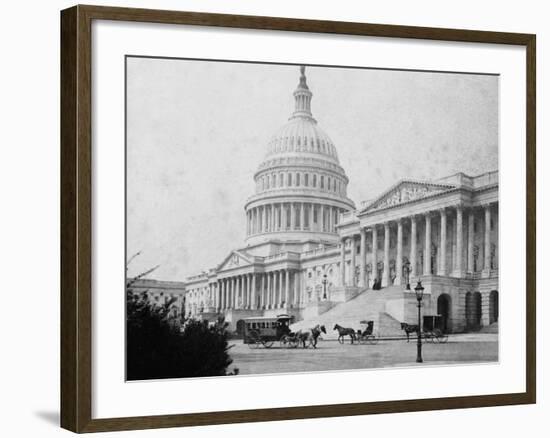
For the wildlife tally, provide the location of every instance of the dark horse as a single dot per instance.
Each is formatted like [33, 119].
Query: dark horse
[410, 328]
[343, 331]
[312, 335]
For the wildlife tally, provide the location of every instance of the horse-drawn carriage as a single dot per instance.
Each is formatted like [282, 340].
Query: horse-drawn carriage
[365, 335]
[433, 328]
[266, 331]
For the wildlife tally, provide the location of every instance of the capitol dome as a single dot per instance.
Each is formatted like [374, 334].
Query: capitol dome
[301, 189]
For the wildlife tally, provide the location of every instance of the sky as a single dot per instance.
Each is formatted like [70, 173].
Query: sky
[197, 131]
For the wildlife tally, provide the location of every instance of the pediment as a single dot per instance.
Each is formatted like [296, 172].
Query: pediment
[407, 191]
[235, 259]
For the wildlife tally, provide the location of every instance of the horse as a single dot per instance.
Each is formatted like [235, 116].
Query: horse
[410, 328]
[312, 335]
[343, 331]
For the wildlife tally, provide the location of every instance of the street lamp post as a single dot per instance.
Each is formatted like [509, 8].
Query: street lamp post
[324, 286]
[419, 291]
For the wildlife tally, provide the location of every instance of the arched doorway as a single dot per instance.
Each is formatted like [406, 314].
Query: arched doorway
[473, 310]
[444, 309]
[240, 327]
[493, 306]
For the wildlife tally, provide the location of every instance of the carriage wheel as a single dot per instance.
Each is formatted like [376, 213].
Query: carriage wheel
[284, 341]
[253, 340]
[287, 342]
[441, 337]
[267, 343]
[372, 340]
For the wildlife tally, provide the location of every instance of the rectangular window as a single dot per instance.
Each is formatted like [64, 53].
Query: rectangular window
[297, 179]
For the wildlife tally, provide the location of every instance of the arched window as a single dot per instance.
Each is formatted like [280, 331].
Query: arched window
[274, 180]
[289, 180]
[314, 180]
[328, 183]
[281, 180]
[334, 185]
[306, 179]
[267, 182]
[322, 182]
[297, 179]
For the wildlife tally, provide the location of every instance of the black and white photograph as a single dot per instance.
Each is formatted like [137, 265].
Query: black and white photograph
[286, 218]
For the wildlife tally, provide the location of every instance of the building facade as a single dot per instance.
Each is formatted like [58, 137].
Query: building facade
[310, 252]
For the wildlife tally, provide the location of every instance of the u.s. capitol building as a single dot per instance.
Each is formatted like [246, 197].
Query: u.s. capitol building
[311, 252]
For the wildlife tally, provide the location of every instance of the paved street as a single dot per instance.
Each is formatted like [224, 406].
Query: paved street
[330, 355]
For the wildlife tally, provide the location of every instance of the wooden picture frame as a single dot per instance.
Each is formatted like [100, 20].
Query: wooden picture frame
[76, 217]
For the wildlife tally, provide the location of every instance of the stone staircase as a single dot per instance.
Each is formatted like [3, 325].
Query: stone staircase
[367, 305]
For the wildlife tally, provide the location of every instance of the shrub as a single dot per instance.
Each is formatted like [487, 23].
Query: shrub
[159, 345]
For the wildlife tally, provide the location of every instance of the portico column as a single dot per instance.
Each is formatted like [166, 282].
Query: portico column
[272, 227]
[375, 253]
[302, 216]
[330, 220]
[487, 240]
[471, 219]
[386, 272]
[228, 294]
[262, 292]
[245, 291]
[234, 293]
[279, 296]
[287, 288]
[268, 291]
[428, 244]
[443, 242]
[253, 293]
[399, 261]
[458, 261]
[362, 257]
[224, 294]
[295, 277]
[265, 219]
[343, 262]
[352, 262]
[311, 216]
[412, 255]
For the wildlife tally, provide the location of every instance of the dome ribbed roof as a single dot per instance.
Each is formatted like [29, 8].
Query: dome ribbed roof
[302, 134]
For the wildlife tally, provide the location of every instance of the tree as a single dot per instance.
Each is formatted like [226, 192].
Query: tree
[160, 345]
